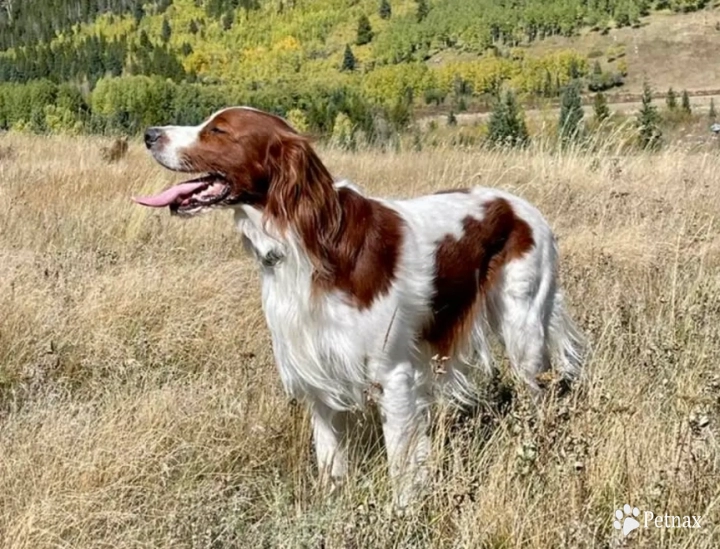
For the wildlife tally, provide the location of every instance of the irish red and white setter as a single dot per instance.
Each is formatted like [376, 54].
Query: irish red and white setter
[364, 295]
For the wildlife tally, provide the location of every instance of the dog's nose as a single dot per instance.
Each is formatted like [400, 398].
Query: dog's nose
[151, 136]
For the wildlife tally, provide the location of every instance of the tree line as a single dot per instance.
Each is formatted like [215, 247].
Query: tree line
[90, 59]
[143, 62]
[26, 22]
[482, 24]
[128, 104]
[507, 127]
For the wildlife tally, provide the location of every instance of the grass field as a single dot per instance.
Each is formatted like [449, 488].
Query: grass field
[140, 406]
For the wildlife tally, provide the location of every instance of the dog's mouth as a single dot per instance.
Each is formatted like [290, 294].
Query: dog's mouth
[190, 196]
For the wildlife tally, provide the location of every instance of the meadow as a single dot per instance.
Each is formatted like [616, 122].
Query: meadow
[140, 406]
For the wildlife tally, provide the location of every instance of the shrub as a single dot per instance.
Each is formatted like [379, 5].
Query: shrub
[364, 31]
[507, 123]
[648, 121]
[343, 132]
[600, 107]
[116, 151]
[571, 113]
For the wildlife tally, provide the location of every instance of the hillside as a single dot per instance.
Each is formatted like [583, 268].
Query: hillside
[74, 65]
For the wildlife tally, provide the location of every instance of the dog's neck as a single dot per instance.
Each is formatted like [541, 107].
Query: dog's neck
[267, 250]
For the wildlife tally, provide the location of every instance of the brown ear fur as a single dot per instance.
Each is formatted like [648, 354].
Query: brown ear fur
[302, 197]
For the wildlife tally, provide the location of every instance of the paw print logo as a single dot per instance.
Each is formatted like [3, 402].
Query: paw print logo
[626, 519]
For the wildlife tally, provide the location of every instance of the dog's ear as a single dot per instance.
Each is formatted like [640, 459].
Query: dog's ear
[302, 197]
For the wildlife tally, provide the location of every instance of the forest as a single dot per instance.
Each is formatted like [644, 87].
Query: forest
[118, 65]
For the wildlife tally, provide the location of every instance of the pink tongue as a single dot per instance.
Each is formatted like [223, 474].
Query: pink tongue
[170, 195]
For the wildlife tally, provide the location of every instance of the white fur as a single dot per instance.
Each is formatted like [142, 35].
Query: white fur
[338, 358]
[178, 139]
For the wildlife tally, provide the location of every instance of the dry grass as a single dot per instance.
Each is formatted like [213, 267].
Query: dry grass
[140, 407]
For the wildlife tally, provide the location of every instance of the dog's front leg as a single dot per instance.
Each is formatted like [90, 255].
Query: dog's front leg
[405, 430]
[329, 429]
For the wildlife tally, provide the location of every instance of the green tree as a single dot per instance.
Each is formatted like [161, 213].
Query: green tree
[166, 31]
[571, 113]
[227, 20]
[627, 12]
[193, 27]
[247, 5]
[648, 121]
[712, 115]
[507, 123]
[138, 12]
[422, 9]
[600, 107]
[686, 109]
[343, 132]
[348, 63]
[385, 10]
[145, 43]
[451, 119]
[364, 31]
[671, 100]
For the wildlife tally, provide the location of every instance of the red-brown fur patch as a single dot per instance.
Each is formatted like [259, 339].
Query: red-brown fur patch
[353, 242]
[467, 268]
[366, 253]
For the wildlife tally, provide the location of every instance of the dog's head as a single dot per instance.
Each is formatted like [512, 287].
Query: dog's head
[246, 156]
[251, 158]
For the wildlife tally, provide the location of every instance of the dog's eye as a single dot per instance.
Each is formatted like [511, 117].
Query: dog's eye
[217, 131]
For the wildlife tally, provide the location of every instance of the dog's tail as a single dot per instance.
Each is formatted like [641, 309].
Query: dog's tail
[568, 342]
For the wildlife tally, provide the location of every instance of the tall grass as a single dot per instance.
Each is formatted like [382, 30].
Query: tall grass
[140, 406]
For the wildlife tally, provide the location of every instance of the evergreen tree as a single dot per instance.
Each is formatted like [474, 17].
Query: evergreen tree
[597, 69]
[385, 10]
[712, 115]
[671, 100]
[95, 66]
[571, 113]
[247, 5]
[138, 12]
[507, 124]
[648, 121]
[548, 88]
[348, 63]
[145, 43]
[422, 9]
[227, 20]
[193, 27]
[686, 103]
[166, 31]
[451, 119]
[600, 106]
[364, 31]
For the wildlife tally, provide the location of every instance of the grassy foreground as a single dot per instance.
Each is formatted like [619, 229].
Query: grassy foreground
[140, 406]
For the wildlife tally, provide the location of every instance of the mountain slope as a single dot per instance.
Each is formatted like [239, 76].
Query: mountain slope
[289, 55]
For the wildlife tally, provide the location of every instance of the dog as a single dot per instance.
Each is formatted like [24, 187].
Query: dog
[361, 294]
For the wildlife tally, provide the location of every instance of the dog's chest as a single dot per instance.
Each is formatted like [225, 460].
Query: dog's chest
[316, 343]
